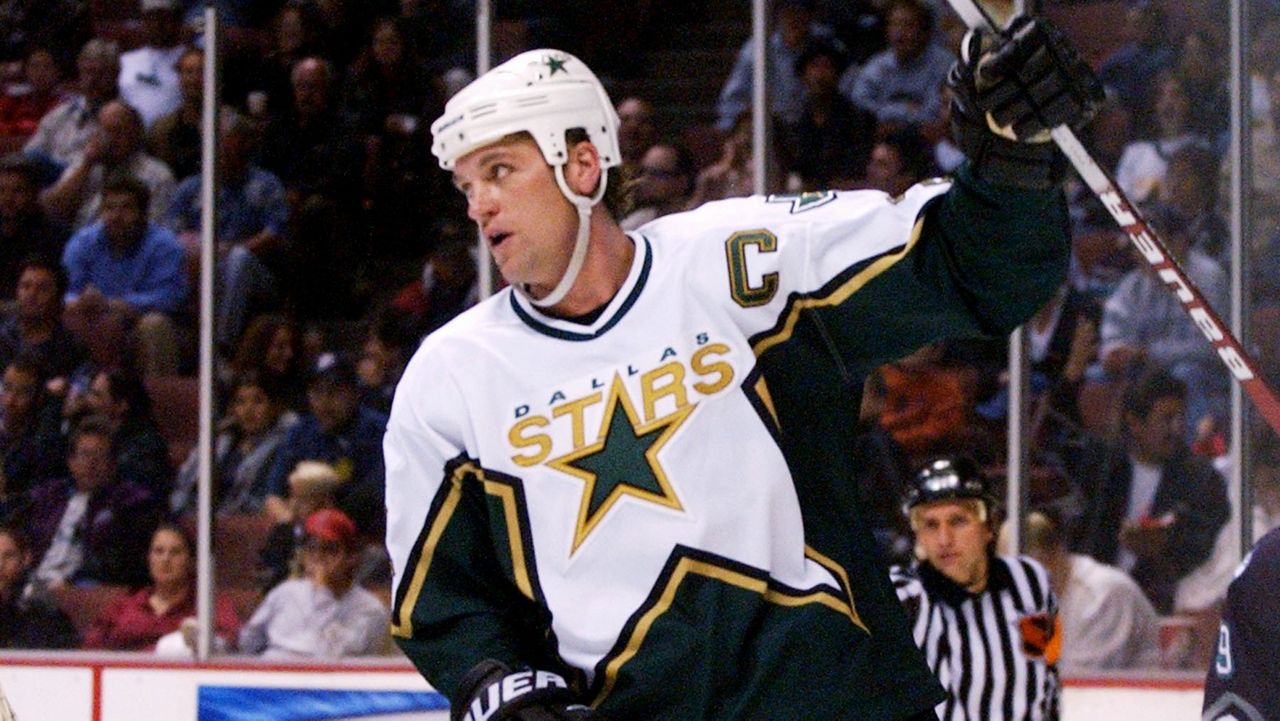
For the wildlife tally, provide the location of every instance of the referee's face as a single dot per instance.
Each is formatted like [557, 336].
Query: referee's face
[954, 540]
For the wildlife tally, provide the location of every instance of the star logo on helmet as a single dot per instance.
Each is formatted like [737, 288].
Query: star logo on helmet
[555, 65]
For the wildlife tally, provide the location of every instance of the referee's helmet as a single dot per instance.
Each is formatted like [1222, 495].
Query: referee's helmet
[948, 479]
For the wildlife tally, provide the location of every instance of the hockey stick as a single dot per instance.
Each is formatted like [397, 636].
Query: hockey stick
[6, 711]
[990, 15]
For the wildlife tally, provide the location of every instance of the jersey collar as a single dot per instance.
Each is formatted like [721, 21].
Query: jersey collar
[627, 295]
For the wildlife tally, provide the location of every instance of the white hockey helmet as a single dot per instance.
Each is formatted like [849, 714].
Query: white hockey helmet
[545, 93]
[542, 92]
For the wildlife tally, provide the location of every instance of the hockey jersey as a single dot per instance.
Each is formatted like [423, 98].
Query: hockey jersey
[657, 504]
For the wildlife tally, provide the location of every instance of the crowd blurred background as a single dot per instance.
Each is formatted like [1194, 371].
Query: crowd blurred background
[340, 245]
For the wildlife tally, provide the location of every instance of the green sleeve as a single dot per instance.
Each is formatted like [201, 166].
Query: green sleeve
[465, 598]
[981, 261]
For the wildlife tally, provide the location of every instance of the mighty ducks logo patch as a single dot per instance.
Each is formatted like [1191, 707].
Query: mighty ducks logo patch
[611, 437]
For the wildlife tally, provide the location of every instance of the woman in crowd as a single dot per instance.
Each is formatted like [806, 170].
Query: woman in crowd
[245, 448]
[271, 347]
[138, 621]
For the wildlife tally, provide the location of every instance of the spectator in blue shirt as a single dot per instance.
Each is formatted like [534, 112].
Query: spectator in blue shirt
[337, 430]
[124, 266]
[795, 29]
[900, 84]
[252, 219]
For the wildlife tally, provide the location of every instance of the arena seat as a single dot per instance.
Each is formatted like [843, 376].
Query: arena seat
[1100, 408]
[237, 542]
[84, 605]
[175, 401]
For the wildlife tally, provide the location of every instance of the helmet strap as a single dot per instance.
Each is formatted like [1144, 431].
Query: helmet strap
[584, 205]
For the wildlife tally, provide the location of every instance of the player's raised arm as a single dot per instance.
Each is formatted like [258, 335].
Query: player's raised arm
[996, 244]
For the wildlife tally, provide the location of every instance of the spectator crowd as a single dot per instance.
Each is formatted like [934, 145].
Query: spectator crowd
[340, 245]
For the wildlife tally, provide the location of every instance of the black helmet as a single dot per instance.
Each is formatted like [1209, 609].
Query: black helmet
[946, 479]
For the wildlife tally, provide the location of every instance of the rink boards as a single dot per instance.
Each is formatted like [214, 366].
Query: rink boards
[124, 688]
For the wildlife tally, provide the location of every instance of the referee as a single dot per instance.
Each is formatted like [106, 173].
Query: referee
[987, 624]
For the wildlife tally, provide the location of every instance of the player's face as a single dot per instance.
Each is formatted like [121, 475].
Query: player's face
[954, 540]
[527, 222]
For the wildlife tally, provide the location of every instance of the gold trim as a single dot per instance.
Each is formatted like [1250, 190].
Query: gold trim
[839, 295]
[812, 553]
[707, 569]
[588, 521]
[762, 392]
[404, 612]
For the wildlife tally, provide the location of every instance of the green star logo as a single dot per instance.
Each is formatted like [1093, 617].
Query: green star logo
[623, 462]
[555, 65]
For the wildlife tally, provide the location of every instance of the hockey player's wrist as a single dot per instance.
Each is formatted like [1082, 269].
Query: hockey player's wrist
[493, 692]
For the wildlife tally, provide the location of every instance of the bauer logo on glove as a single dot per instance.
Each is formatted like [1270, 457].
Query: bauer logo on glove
[1010, 89]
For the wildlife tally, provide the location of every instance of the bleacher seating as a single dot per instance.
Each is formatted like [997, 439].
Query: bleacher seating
[175, 401]
[84, 605]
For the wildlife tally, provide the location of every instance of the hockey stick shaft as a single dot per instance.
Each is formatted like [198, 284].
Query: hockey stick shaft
[1233, 355]
[6, 711]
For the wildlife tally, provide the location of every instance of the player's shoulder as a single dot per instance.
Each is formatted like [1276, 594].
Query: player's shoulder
[1263, 561]
[781, 213]
[462, 340]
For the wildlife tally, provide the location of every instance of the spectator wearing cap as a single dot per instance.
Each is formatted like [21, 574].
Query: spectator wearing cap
[132, 270]
[148, 75]
[831, 141]
[325, 614]
[25, 229]
[900, 84]
[794, 29]
[340, 431]
[311, 488]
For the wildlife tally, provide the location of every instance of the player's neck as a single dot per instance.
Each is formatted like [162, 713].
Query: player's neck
[605, 269]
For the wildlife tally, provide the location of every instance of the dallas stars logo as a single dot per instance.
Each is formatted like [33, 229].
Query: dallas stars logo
[555, 65]
[623, 462]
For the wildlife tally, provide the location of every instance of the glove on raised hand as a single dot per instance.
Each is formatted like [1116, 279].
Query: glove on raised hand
[1008, 90]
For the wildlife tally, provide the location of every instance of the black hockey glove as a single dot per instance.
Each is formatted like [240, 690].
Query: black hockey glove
[493, 692]
[1009, 90]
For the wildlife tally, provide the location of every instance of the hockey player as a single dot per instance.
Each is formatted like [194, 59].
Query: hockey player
[620, 487]
[1244, 680]
[988, 624]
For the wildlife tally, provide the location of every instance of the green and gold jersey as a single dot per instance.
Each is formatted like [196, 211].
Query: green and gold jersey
[658, 504]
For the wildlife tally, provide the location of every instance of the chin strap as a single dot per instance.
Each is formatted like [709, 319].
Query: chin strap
[583, 204]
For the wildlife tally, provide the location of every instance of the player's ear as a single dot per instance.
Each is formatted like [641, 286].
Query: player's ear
[582, 171]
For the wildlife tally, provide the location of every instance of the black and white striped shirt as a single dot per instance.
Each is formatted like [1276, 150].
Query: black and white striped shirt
[993, 652]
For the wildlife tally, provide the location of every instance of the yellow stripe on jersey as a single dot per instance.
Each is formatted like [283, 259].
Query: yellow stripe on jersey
[401, 619]
[688, 566]
[837, 296]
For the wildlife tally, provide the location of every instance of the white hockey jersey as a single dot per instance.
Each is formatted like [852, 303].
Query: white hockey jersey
[621, 498]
